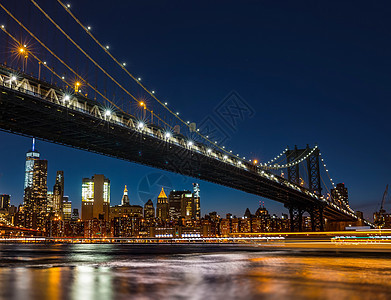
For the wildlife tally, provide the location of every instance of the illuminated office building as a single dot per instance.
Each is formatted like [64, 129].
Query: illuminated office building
[95, 198]
[187, 205]
[66, 208]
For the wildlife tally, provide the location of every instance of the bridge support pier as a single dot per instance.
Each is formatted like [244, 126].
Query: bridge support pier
[296, 218]
[317, 220]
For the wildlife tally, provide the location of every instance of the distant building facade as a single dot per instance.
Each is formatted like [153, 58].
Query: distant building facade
[95, 198]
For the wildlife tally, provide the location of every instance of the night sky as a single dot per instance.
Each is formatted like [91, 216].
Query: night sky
[310, 71]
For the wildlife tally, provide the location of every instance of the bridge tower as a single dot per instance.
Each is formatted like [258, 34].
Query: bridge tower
[314, 185]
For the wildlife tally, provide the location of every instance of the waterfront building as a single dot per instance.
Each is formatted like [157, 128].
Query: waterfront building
[225, 227]
[95, 198]
[127, 211]
[4, 202]
[162, 206]
[121, 227]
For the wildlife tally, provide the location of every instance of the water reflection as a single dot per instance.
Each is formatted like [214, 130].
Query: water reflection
[187, 272]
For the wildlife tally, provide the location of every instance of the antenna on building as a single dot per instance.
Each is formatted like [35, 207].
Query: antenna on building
[33, 148]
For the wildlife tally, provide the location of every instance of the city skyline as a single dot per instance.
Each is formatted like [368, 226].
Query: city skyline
[270, 79]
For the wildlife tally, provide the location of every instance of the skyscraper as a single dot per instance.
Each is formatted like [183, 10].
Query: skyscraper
[175, 203]
[188, 210]
[162, 206]
[35, 192]
[58, 193]
[95, 198]
[31, 157]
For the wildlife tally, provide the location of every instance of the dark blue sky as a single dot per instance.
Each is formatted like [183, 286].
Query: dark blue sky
[312, 71]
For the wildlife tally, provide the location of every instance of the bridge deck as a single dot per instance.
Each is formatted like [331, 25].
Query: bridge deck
[26, 113]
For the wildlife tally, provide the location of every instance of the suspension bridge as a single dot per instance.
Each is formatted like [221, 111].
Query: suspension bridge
[143, 129]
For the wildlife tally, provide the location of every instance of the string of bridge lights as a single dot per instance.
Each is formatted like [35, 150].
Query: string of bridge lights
[278, 156]
[332, 182]
[152, 93]
[293, 163]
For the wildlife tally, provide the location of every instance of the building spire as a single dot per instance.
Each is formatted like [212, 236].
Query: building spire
[162, 194]
[125, 197]
[125, 190]
[33, 147]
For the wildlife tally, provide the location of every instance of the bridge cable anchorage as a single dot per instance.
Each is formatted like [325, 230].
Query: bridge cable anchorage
[121, 65]
[69, 68]
[295, 162]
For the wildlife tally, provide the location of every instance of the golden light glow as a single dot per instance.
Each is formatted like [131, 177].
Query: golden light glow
[255, 161]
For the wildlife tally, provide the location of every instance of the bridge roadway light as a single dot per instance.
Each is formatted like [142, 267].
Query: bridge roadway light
[140, 125]
[67, 98]
[209, 150]
[107, 113]
[190, 143]
[168, 135]
[13, 78]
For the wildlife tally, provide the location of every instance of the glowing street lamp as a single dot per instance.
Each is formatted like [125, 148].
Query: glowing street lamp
[77, 85]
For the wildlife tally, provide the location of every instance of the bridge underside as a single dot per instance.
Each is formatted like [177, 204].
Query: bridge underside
[31, 116]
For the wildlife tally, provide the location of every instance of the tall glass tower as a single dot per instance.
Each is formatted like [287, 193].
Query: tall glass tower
[35, 191]
[31, 157]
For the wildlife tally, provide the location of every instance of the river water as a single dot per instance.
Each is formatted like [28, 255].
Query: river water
[112, 271]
